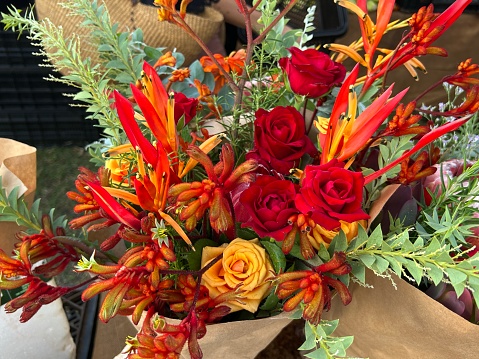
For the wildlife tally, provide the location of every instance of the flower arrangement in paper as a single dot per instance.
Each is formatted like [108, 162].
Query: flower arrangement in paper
[261, 181]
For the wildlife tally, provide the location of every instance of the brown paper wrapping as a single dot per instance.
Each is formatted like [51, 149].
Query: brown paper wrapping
[239, 340]
[18, 167]
[402, 323]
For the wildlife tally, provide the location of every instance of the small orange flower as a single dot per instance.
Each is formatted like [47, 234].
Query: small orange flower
[165, 60]
[413, 170]
[193, 199]
[234, 63]
[179, 75]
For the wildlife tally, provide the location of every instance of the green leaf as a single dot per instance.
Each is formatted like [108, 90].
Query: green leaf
[381, 264]
[436, 274]
[408, 212]
[124, 78]
[329, 326]
[310, 339]
[13, 198]
[385, 247]
[270, 303]
[194, 257]
[105, 48]
[116, 64]
[375, 239]
[196, 71]
[151, 52]
[318, 354]
[360, 240]
[414, 270]
[407, 246]
[444, 257]
[367, 259]
[456, 276]
[433, 246]
[8, 218]
[359, 271]
[278, 259]
[338, 244]
[347, 341]
[459, 288]
[83, 95]
[324, 254]
[246, 233]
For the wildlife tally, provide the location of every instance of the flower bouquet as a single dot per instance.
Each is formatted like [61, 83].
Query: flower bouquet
[268, 181]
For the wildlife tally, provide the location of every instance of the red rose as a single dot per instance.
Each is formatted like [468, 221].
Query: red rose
[185, 106]
[311, 72]
[269, 202]
[279, 139]
[329, 193]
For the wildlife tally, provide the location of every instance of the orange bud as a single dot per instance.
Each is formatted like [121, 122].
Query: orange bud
[189, 194]
[294, 301]
[167, 59]
[307, 250]
[175, 190]
[168, 253]
[289, 240]
[313, 310]
[288, 276]
[338, 259]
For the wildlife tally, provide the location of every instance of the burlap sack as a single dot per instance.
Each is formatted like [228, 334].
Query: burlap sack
[18, 168]
[130, 16]
[402, 323]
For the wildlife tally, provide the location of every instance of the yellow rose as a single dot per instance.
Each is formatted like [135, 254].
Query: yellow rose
[319, 235]
[244, 262]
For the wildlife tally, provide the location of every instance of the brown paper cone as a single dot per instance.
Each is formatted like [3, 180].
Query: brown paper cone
[239, 340]
[18, 167]
[403, 323]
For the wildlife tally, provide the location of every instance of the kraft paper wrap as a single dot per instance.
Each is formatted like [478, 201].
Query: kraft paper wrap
[459, 41]
[238, 340]
[402, 324]
[130, 16]
[18, 167]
